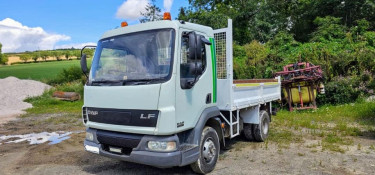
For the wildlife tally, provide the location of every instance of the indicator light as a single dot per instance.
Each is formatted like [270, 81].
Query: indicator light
[124, 24]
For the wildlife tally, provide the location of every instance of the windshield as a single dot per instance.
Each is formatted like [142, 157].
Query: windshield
[142, 57]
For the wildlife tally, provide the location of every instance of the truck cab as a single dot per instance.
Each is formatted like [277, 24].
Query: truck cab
[152, 96]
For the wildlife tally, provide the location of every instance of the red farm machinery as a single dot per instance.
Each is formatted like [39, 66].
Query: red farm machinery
[301, 82]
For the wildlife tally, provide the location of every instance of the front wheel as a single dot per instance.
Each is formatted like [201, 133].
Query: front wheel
[209, 149]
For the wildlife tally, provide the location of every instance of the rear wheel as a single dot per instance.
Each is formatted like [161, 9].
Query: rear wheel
[248, 131]
[209, 149]
[260, 130]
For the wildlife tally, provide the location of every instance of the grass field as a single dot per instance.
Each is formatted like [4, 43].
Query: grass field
[335, 126]
[41, 71]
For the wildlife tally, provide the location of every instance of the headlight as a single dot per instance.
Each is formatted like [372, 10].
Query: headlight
[161, 146]
[92, 149]
[89, 136]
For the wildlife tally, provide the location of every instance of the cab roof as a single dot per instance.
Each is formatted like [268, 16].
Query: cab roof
[175, 24]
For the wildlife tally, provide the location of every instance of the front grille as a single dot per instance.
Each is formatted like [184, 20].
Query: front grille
[84, 115]
[109, 117]
[129, 117]
[118, 139]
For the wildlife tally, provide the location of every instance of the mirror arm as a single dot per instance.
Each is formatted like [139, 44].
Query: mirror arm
[92, 46]
[205, 41]
[195, 60]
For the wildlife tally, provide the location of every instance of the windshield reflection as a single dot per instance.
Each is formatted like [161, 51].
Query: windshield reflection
[123, 60]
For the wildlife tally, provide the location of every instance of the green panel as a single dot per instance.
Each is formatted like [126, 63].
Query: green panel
[213, 58]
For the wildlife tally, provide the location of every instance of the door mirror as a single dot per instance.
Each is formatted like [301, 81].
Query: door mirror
[193, 68]
[84, 64]
[194, 65]
[198, 47]
[192, 45]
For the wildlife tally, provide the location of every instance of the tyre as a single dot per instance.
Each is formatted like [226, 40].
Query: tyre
[209, 149]
[248, 131]
[260, 131]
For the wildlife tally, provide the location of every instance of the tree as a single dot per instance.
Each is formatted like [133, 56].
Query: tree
[89, 52]
[44, 55]
[153, 13]
[77, 54]
[2, 57]
[60, 56]
[25, 57]
[261, 20]
[252, 20]
[55, 54]
[35, 56]
[329, 29]
[67, 54]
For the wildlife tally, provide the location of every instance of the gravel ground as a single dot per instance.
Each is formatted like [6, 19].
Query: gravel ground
[13, 92]
[69, 157]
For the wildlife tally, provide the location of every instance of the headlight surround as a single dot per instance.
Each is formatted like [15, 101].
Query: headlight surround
[89, 136]
[162, 146]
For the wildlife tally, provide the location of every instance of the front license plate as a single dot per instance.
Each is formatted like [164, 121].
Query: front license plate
[115, 150]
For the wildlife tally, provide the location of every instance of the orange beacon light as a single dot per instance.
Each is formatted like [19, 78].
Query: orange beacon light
[167, 16]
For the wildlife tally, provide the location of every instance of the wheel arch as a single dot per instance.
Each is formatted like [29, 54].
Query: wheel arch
[209, 117]
[268, 108]
[215, 122]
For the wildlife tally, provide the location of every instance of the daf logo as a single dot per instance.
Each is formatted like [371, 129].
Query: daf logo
[149, 116]
[92, 112]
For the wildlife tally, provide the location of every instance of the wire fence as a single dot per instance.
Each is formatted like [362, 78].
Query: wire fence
[221, 56]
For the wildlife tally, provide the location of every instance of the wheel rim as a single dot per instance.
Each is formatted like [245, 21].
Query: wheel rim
[209, 150]
[265, 126]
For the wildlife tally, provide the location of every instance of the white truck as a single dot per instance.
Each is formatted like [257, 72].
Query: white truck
[162, 93]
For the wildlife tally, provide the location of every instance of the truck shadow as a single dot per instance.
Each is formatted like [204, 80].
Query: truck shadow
[238, 143]
[102, 165]
[122, 167]
[368, 134]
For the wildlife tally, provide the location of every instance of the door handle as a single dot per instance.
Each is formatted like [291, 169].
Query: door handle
[208, 98]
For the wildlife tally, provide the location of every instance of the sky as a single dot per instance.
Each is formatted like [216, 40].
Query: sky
[28, 25]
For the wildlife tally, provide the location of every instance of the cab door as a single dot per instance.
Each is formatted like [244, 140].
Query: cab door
[191, 101]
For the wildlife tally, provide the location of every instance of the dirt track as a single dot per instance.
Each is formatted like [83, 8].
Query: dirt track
[68, 157]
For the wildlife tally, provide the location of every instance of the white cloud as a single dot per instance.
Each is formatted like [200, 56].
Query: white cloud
[16, 37]
[75, 45]
[168, 5]
[132, 9]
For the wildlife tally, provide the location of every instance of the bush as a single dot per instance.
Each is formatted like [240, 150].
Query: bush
[371, 85]
[68, 75]
[3, 59]
[249, 61]
[341, 90]
[75, 86]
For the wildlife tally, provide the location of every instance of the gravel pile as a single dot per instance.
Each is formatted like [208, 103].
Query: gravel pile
[12, 93]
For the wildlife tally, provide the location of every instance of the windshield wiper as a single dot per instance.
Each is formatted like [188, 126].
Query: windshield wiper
[106, 81]
[124, 82]
[138, 81]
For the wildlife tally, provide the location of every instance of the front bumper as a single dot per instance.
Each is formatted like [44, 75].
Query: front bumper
[184, 155]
